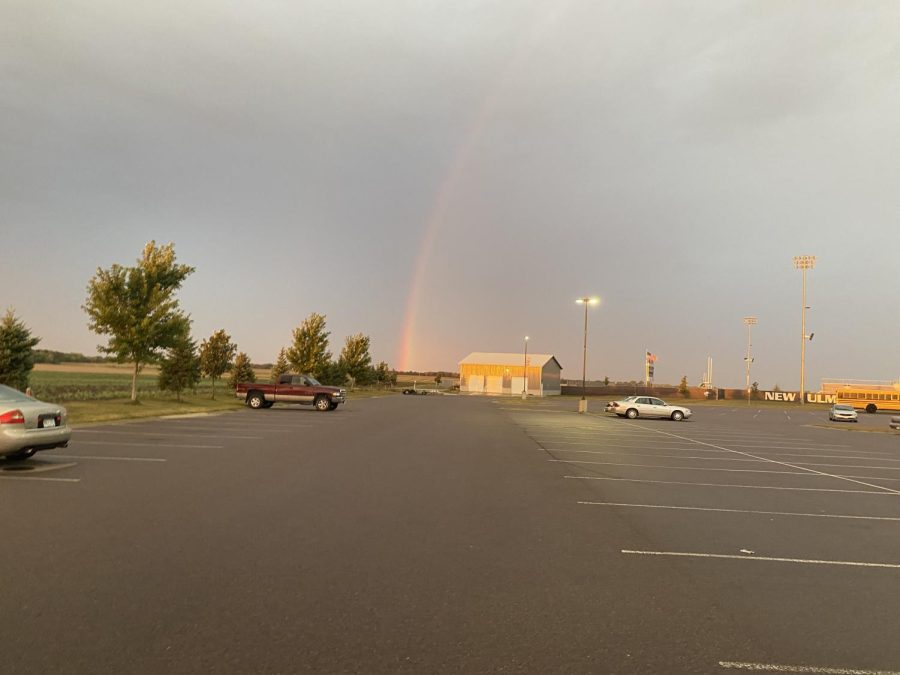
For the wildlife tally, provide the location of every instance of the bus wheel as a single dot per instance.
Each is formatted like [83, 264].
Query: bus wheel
[871, 408]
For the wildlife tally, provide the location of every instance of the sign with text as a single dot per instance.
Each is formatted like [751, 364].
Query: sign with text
[794, 397]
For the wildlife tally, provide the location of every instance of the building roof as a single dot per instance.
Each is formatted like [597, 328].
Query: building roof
[501, 359]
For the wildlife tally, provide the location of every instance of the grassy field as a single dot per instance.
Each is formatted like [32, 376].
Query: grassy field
[94, 392]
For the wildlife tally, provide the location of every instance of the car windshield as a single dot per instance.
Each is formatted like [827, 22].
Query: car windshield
[313, 381]
[10, 394]
[843, 407]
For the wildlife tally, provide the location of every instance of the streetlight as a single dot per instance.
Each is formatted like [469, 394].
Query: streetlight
[525, 372]
[749, 321]
[582, 404]
[803, 263]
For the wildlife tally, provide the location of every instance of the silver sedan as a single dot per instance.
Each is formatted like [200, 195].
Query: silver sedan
[28, 425]
[647, 406]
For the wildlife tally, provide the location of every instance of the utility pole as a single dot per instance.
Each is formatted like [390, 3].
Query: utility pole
[803, 263]
[582, 404]
[750, 321]
[525, 372]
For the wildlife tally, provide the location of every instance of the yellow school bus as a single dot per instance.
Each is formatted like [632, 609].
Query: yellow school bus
[870, 399]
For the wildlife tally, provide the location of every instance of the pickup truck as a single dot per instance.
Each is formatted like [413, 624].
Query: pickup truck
[291, 389]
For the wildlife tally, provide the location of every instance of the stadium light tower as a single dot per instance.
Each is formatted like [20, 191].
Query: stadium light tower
[803, 263]
[582, 404]
[749, 321]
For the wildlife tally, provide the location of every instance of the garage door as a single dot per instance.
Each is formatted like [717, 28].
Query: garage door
[517, 384]
[494, 384]
[476, 383]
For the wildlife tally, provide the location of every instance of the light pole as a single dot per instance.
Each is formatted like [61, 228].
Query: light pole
[750, 321]
[582, 404]
[525, 372]
[803, 263]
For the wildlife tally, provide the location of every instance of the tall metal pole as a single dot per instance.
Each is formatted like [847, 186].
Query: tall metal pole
[749, 321]
[803, 263]
[525, 372]
[582, 404]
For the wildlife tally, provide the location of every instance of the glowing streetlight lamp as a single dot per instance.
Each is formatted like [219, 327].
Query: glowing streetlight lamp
[525, 372]
[582, 404]
[749, 321]
[803, 263]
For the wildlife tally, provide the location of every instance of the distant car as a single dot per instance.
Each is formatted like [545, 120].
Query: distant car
[842, 413]
[28, 425]
[633, 407]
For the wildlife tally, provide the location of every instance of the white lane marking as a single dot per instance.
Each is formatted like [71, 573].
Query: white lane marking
[763, 513]
[685, 468]
[727, 485]
[778, 668]
[762, 558]
[52, 480]
[722, 459]
[170, 427]
[144, 445]
[157, 433]
[787, 464]
[112, 459]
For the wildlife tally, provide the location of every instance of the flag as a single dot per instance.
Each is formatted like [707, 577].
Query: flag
[651, 358]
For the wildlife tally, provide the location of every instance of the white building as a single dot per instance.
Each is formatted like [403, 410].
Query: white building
[493, 373]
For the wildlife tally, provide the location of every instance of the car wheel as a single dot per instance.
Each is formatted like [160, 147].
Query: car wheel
[871, 408]
[631, 414]
[21, 454]
[677, 416]
[322, 403]
[256, 400]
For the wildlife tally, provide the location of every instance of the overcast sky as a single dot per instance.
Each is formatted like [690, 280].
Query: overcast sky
[459, 172]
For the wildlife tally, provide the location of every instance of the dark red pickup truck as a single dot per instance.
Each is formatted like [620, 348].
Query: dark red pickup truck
[291, 389]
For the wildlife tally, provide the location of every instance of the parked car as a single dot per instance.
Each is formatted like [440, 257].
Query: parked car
[291, 388]
[842, 413]
[648, 406]
[28, 425]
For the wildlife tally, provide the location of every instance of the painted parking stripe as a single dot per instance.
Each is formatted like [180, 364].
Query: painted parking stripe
[779, 668]
[685, 468]
[156, 433]
[763, 513]
[81, 442]
[721, 459]
[41, 478]
[113, 459]
[762, 558]
[727, 485]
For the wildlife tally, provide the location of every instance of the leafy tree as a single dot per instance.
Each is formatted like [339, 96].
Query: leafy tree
[754, 390]
[16, 352]
[437, 379]
[309, 352]
[137, 308]
[355, 358]
[383, 375]
[216, 355]
[241, 371]
[281, 366]
[332, 373]
[605, 381]
[180, 367]
[683, 388]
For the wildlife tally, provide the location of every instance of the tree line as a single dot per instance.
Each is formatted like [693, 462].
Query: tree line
[138, 311]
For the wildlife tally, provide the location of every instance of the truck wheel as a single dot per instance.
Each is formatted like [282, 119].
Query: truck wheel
[256, 400]
[322, 403]
[871, 408]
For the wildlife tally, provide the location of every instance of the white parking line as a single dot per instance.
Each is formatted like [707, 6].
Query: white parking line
[112, 459]
[722, 459]
[727, 485]
[686, 468]
[158, 433]
[787, 464]
[762, 558]
[51, 480]
[778, 668]
[144, 445]
[763, 513]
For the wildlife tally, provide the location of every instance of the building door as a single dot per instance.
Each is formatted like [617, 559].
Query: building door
[517, 384]
[476, 383]
[494, 384]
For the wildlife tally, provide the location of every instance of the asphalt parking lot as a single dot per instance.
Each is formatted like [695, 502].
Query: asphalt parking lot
[456, 535]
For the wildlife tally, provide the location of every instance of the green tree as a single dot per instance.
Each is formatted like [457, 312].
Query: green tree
[332, 373]
[16, 352]
[216, 355]
[281, 366]
[241, 371]
[309, 352]
[383, 375]
[137, 308]
[754, 390]
[355, 359]
[180, 367]
[683, 387]
[605, 381]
